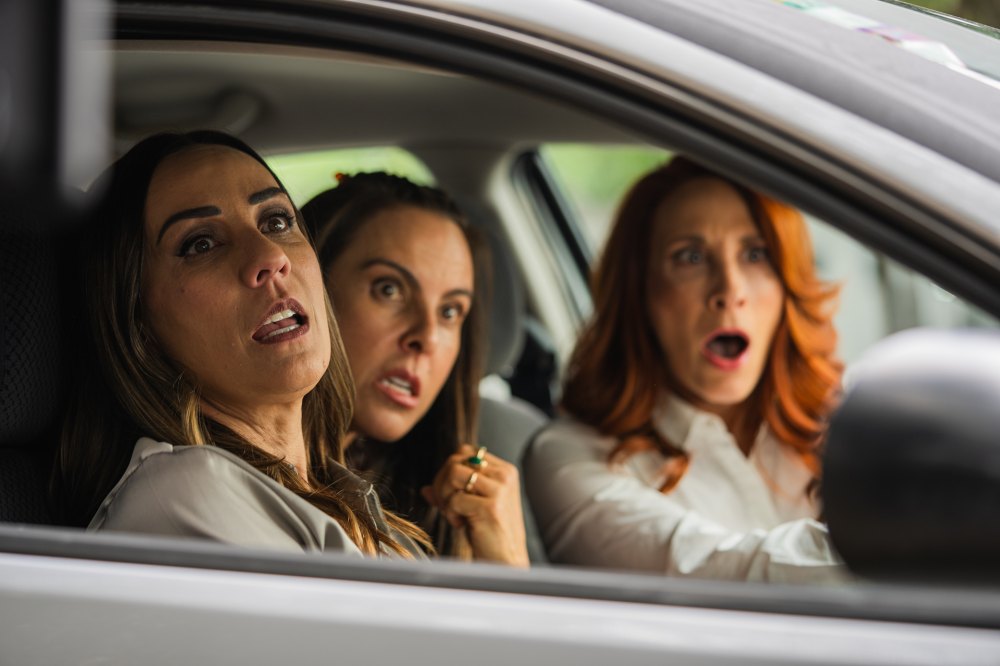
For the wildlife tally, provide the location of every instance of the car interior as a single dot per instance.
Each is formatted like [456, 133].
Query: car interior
[480, 140]
[286, 100]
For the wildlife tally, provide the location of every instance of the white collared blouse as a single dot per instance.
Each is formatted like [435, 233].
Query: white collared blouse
[731, 516]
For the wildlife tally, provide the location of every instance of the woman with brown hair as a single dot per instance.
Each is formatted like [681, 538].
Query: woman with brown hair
[696, 398]
[407, 275]
[213, 392]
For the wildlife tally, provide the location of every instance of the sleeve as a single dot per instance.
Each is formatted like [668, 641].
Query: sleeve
[591, 514]
[198, 492]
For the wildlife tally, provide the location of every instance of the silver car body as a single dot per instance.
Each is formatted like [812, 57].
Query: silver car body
[835, 119]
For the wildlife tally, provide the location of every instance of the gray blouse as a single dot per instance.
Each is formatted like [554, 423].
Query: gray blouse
[206, 492]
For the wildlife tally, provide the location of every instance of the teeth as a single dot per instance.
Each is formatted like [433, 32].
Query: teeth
[281, 330]
[398, 383]
[284, 314]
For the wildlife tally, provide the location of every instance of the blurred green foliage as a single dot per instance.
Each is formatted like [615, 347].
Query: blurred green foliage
[305, 175]
[594, 178]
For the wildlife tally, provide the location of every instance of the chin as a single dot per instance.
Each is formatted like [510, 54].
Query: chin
[384, 427]
[725, 396]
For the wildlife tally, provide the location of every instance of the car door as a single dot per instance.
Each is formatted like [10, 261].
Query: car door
[653, 72]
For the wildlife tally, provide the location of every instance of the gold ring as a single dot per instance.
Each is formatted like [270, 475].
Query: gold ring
[471, 482]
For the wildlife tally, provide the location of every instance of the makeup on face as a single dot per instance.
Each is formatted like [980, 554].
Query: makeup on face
[231, 286]
[714, 298]
[286, 320]
[401, 291]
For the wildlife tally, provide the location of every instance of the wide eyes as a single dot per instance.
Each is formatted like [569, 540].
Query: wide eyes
[391, 290]
[202, 240]
[197, 245]
[387, 289]
[696, 255]
[276, 222]
[691, 256]
[453, 312]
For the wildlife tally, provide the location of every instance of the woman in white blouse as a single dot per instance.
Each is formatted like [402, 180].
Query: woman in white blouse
[696, 398]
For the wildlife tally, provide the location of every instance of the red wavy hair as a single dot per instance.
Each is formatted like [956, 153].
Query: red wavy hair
[617, 371]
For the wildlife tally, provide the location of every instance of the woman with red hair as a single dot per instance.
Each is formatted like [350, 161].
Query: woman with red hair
[696, 399]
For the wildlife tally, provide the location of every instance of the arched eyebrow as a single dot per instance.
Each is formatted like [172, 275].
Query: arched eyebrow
[190, 213]
[210, 211]
[264, 195]
[410, 278]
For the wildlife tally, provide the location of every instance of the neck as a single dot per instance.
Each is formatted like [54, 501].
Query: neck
[742, 427]
[740, 420]
[276, 429]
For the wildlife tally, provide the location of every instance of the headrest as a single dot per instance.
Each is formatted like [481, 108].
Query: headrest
[506, 324]
[911, 481]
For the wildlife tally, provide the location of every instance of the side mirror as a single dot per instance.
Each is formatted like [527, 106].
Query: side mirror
[911, 483]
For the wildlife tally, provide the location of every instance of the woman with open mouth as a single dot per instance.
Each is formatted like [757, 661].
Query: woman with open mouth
[697, 396]
[405, 272]
[213, 394]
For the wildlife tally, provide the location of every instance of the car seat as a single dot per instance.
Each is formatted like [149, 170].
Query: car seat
[30, 362]
[506, 422]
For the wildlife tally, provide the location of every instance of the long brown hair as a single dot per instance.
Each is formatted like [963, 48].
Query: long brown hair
[335, 217]
[128, 387]
[617, 371]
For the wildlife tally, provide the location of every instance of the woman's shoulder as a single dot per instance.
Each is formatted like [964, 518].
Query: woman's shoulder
[206, 492]
[567, 427]
[159, 470]
[187, 464]
[567, 438]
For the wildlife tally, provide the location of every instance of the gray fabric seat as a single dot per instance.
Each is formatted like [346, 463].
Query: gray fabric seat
[507, 425]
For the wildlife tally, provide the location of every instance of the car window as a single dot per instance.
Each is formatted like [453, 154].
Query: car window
[306, 174]
[878, 295]
[593, 179]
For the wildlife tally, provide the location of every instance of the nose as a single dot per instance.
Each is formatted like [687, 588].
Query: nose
[729, 287]
[422, 334]
[265, 261]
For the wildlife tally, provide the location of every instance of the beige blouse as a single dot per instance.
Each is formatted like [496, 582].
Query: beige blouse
[206, 492]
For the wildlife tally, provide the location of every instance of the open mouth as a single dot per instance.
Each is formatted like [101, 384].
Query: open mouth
[398, 384]
[287, 318]
[401, 387]
[726, 348]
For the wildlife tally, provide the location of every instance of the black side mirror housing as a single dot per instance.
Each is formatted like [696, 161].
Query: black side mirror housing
[911, 483]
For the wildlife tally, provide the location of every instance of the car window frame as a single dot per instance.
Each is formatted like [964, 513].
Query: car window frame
[893, 221]
[343, 26]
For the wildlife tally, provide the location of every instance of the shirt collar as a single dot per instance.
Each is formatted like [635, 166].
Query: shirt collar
[685, 425]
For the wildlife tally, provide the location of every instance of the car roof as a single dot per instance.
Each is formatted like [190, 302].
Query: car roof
[286, 99]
